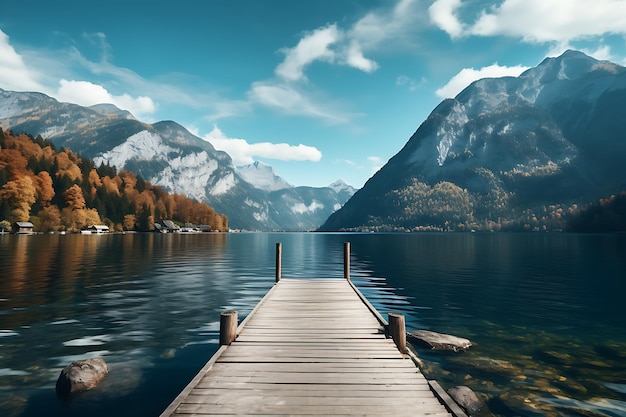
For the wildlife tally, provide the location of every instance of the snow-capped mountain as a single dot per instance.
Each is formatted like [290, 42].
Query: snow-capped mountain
[262, 177]
[168, 155]
[504, 151]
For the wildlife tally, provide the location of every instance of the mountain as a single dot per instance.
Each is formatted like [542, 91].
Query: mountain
[511, 153]
[168, 155]
[262, 177]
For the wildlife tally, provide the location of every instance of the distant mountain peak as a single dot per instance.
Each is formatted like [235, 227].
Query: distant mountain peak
[107, 109]
[262, 177]
[340, 186]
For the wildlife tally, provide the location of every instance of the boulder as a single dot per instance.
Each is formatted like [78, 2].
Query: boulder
[440, 341]
[466, 398]
[81, 375]
[494, 366]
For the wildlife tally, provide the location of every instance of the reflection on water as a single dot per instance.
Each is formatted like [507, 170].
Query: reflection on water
[545, 312]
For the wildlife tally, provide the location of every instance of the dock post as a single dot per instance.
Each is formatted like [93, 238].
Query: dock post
[397, 330]
[228, 327]
[279, 252]
[346, 260]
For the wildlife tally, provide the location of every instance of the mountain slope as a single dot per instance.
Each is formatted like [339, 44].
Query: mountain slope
[506, 153]
[168, 155]
[262, 177]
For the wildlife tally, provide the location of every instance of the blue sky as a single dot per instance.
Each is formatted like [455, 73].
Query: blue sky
[319, 89]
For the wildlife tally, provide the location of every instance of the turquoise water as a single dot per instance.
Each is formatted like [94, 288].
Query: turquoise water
[545, 312]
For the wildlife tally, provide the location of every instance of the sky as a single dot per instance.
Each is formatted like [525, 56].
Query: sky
[320, 90]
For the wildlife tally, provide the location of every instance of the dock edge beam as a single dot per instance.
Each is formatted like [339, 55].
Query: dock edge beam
[346, 260]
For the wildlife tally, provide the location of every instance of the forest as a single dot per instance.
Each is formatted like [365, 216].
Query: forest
[446, 207]
[60, 191]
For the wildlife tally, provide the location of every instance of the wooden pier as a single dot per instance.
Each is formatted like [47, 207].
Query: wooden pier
[310, 347]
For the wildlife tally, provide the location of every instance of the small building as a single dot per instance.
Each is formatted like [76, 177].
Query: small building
[204, 228]
[168, 226]
[99, 229]
[23, 228]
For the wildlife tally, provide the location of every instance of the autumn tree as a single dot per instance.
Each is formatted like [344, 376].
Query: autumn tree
[130, 222]
[74, 197]
[62, 189]
[66, 166]
[20, 194]
[13, 162]
[44, 187]
[94, 181]
[50, 218]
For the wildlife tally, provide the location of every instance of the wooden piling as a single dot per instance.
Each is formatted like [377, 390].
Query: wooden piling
[279, 266]
[228, 327]
[397, 330]
[346, 260]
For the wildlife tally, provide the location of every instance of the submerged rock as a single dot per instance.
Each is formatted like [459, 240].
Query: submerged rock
[440, 341]
[466, 398]
[81, 375]
[495, 366]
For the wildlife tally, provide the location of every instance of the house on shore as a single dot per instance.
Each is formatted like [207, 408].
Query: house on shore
[23, 228]
[167, 226]
[96, 229]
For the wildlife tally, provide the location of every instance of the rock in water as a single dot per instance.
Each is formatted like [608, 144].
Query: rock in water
[81, 375]
[440, 341]
[465, 397]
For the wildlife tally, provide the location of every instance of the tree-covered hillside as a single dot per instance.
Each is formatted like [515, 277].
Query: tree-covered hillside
[59, 190]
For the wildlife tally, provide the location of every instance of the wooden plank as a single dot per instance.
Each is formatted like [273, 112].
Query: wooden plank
[371, 389]
[314, 347]
[319, 409]
[378, 366]
[305, 390]
[304, 399]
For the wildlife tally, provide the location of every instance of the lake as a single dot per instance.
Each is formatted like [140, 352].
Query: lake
[546, 312]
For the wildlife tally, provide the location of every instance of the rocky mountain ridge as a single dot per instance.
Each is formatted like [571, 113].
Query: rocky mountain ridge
[511, 153]
[168, 155]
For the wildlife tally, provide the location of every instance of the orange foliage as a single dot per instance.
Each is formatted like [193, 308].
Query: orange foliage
[44, 187]
[94, 181]
[24, 187]
[67, 166]
[74, 198]
[25, 146]
[50, 218]
[20, 194]
[111, 186]
[13, 162]
[130, 180]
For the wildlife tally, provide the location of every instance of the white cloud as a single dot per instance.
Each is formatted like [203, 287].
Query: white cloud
[85, 93]
[377, 27]
[228, 108]
[378, 30]
[535, 21]
[334, 45]
[443, 14]
[355, 59]
[553, 20]
[602, 52]
[377, 163]
[410, 83]
[468, 75]
[312, 47]
[244, 153]
[290, 100]
[16, 75]
[346, 46]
